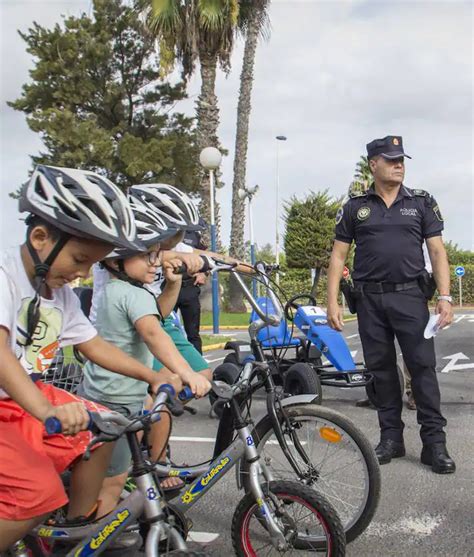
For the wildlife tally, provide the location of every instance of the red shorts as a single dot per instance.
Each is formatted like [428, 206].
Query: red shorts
[31, 460]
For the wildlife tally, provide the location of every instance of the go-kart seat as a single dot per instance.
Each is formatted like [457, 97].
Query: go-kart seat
[273, 336]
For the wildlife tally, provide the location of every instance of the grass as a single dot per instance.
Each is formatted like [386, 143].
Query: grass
[225, 319]
[213, 339]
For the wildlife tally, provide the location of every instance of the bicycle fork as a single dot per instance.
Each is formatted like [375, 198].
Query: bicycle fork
[256, 469]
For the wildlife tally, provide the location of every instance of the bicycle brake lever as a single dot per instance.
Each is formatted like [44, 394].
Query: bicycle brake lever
[190, 409]
[175, 407]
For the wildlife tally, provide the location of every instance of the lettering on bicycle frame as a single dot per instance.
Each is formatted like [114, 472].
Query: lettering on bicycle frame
[103, 535]
[196, 488]
[52, 533]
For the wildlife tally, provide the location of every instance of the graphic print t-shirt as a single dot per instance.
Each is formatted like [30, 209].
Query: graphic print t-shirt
[61, 321]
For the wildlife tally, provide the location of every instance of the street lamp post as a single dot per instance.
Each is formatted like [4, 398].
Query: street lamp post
[277, 208]
[248, 193]
[210, 158]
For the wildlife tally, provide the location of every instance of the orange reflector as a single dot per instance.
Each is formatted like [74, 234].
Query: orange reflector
[330, 434]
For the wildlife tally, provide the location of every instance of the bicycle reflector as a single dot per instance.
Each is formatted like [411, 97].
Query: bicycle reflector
[330, 434]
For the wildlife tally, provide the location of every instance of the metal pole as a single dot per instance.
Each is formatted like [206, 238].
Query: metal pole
[252, 246]
[215, 281]
[460, 291]
[277, 235]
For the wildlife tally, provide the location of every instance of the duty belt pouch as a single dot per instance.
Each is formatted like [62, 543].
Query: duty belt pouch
[427, 284]
[349, 294]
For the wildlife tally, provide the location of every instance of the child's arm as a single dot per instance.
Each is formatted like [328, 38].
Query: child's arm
[168, 298]
[109, 356]
[15, 382]
[164, 349]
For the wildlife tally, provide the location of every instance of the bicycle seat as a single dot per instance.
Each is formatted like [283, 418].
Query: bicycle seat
[273, 336]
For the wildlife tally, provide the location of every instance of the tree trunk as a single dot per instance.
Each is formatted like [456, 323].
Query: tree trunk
[207, 124]
[314, 288]
[240, 159]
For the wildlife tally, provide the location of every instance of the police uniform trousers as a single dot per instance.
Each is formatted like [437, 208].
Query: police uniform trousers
[190, 306]
[382, 316]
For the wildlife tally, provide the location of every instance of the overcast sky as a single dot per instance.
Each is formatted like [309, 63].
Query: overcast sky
[333, 76]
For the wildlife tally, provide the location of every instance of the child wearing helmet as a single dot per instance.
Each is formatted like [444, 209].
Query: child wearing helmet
[76, 218]
[128, 315]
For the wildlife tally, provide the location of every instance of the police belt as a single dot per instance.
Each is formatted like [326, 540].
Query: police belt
[383, 287]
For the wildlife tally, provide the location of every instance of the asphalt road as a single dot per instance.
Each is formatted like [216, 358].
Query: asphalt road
[420, 513]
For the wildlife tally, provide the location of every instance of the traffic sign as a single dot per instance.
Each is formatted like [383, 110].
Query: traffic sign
[459, 270]
[345, 272]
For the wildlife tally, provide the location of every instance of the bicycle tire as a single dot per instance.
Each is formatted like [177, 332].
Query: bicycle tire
[355, 522]
[187, 553]
[290, 493]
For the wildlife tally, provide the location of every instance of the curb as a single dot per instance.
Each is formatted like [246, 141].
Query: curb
[225, 328]
[211, 347]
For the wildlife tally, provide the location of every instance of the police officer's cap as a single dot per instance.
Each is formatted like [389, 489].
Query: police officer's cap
[390, 147]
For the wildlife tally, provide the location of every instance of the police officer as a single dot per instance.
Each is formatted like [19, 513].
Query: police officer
[188, 300]
[388, 224]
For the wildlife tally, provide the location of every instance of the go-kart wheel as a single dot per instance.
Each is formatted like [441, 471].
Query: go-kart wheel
[291, 303]
[301, 379]
[227, 372]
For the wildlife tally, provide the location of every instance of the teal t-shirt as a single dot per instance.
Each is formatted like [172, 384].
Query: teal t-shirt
[120, 306]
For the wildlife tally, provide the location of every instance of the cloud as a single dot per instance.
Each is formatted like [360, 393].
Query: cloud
[333, 76]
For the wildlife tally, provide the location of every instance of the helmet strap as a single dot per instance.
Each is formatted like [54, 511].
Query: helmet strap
[41, 270]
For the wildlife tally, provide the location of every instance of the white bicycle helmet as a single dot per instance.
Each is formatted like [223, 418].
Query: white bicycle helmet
[174, 206]
[152, 228]
[80, 203]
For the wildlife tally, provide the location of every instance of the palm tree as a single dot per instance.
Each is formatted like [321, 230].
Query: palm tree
[362, 176]
[191, 31]
[253, 22]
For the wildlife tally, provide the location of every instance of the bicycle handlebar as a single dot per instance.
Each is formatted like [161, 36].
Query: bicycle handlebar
[99, 420]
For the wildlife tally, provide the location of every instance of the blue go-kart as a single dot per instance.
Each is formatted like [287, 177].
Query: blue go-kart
[297, 361]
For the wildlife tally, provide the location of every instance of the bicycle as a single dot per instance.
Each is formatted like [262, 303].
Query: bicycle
[297, 438]
[270, 513]
[146, 502]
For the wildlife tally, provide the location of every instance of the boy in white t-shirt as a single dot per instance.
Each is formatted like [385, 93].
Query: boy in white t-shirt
[76, 218]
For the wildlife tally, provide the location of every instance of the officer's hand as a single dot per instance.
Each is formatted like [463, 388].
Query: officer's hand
[73, 417]
[445, 310]
[193, 262]
[168, 270]
[334, 315]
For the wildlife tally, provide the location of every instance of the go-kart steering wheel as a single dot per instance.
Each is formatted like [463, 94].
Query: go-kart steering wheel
[291, 303]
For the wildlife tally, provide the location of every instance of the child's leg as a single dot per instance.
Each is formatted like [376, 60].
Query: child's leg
[109, 495]
[13, 530]
[86, 481]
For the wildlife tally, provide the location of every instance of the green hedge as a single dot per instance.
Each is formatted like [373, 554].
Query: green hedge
[297, 281]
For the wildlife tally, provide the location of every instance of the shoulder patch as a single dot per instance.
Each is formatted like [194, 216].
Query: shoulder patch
[355, 194]
[420, 193]
[339, 215]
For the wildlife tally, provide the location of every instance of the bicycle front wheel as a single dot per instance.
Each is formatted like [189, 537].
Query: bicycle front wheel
[342, 463]
[306, 519]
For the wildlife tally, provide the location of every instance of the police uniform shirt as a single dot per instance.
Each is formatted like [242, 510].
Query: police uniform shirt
[388, 240]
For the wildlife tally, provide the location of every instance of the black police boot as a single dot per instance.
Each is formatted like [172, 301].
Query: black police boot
[365, 403]
[388, 449]
[436, 455]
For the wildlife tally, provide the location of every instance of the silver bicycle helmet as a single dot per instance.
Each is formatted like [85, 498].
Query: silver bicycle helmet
[173, 205]
[80, 203]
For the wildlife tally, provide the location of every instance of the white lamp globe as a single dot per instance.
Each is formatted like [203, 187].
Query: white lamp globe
[210, 158]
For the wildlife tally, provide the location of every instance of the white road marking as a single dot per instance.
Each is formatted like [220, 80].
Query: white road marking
[193, 439]
[452, 366]
[353, 336]
[202, 537]
[419, 527]
[214, 360]
[353, 353]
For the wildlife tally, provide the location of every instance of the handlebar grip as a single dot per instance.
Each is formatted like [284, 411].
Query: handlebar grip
[168, 389]
[54, 426]
[185, 394]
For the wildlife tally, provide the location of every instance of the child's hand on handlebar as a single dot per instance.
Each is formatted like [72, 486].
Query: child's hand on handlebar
[198, 384]
[73, 417]
[168, 270]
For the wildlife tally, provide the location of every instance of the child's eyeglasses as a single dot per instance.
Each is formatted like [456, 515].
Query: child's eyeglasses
[151, 257]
